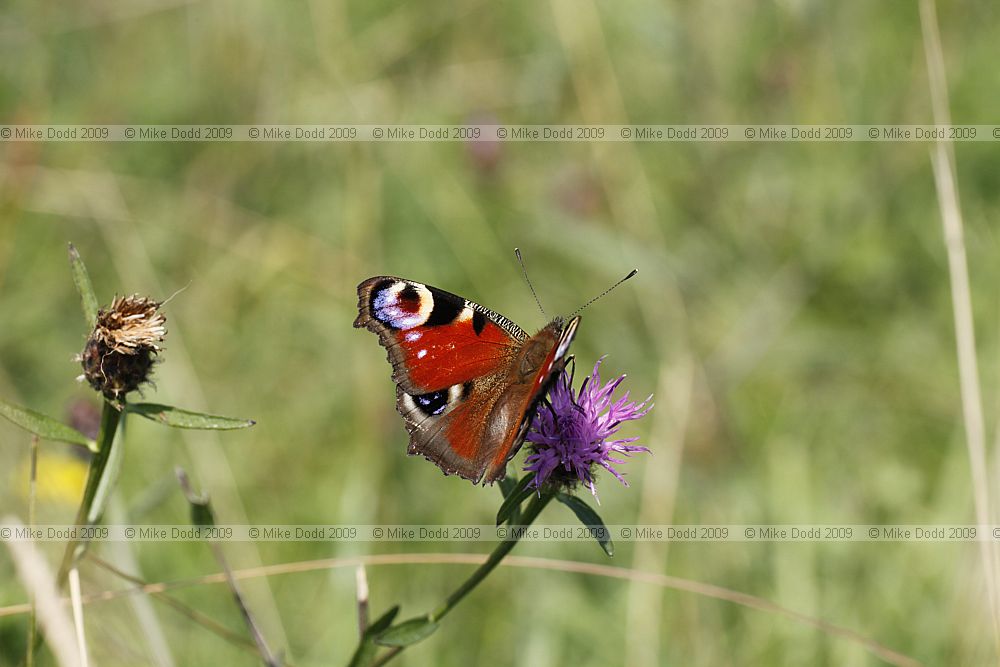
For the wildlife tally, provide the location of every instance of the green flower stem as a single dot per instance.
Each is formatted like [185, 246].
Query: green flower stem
[531, 513]
[110, 418]
[538, 503]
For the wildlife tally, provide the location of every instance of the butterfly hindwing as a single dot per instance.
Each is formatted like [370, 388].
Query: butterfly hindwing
[444, 426]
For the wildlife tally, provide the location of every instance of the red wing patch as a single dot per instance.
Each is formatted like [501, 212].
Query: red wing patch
[440, 356]
[462, 439]
[435, 339]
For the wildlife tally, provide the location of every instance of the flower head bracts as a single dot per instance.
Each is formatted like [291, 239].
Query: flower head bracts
[572, 432]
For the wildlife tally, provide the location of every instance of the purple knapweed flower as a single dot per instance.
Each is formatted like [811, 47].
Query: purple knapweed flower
[572, 433]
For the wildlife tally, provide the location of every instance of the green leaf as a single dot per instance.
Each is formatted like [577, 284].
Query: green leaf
[507, 484]
[366, 650]
[43, 426]
[383, 622]
[202, 515]
[591, 519]
[178, 418]
[408, 632]
[82, 281]
[512, 503]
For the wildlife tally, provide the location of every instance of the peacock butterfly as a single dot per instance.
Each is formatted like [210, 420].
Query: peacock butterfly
[468, 380]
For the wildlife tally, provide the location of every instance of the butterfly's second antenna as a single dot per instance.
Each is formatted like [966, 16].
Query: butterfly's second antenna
[517, 252]
[605, 292]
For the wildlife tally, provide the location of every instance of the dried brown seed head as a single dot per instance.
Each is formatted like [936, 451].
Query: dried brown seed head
[120, 351]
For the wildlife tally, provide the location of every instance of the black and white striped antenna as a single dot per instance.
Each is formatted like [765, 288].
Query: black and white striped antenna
[605, 292]
[517, 253]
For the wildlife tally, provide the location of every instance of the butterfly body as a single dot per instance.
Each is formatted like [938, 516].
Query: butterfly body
[467, 379]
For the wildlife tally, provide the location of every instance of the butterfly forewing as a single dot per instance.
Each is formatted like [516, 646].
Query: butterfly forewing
[434, 339]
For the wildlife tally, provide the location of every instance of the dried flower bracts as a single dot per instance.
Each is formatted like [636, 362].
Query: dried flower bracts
[121, 350]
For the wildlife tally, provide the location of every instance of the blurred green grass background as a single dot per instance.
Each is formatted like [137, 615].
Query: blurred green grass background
[792, 313]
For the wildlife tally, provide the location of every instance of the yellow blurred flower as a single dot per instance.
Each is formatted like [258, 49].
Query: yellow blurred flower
[61, 476]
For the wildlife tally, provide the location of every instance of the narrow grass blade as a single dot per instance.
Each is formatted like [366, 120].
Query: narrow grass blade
[29, 659]
[365, 653]
[408, 632]
[33, 570]
[202, 516]
[201, 510]
[82, 281]
[361, 578]
[513, 500]
[192, 614]
[43, 426]
[178, 418]
[81, 635]
[591, 519]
